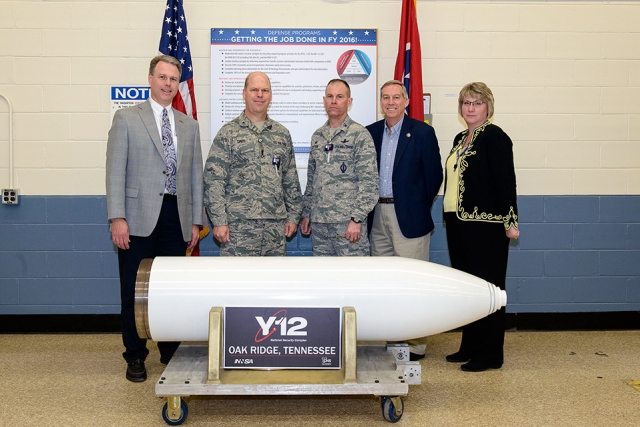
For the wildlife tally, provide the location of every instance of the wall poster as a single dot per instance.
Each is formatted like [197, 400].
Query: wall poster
[299, 63]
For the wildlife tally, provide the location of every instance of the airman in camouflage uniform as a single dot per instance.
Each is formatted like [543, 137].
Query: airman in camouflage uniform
[251, 187]
[342, 180]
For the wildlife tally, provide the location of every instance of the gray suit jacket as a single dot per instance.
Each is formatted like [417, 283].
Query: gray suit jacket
[136, 170]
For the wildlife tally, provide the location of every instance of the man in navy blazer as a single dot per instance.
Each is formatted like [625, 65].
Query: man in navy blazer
[154, 193]
[410, 176]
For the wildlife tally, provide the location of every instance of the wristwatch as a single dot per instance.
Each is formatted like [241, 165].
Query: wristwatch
[354, 220]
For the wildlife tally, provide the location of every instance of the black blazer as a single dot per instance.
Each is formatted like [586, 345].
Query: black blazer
[417, 175]
[487, 190]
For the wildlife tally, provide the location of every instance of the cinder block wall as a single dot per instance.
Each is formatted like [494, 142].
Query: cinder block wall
[566, 77]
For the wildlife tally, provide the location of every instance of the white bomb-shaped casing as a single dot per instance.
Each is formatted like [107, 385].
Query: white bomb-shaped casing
[395, 298]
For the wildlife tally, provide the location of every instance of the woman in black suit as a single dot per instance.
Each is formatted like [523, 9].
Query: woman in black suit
[481, 215]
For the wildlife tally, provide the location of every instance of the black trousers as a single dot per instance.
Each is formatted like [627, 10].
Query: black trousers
[481, 249]
[165, 240]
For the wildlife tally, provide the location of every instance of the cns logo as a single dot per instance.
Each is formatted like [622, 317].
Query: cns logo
[279, 321]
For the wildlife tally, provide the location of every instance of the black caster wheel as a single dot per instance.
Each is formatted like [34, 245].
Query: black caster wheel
[390, 410]
[184, 411]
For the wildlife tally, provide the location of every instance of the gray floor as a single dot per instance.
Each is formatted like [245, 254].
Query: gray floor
[549, 379]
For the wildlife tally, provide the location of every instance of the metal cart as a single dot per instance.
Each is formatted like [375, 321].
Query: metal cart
[379, 370]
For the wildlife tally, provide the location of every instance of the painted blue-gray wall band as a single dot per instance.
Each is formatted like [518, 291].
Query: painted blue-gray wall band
[575, 254]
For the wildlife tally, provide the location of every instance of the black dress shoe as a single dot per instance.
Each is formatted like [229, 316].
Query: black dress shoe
[136, 371]
[458, 357]
[475, 366]
[413, 357]
[164, 359]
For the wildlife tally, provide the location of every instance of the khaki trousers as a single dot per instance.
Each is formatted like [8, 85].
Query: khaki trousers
[387, 240]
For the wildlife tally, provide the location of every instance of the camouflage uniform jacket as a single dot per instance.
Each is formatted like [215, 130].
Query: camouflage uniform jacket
[251, 174]
[342, 179]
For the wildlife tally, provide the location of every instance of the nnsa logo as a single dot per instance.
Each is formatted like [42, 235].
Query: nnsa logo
[293, 327]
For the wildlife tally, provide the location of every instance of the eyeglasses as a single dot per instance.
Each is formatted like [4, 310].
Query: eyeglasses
[476, 104]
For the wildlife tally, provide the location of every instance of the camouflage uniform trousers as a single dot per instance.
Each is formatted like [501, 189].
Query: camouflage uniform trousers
[255, 237]
[330, 240]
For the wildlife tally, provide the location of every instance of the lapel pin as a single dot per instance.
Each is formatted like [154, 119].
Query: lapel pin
[408, 135]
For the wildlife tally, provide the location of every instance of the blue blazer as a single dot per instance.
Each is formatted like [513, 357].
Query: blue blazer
[417, 175]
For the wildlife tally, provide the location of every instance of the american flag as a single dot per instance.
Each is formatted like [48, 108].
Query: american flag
[409, 62]
[174, 41]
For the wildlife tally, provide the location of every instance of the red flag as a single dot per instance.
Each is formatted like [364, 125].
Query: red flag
[408, 63]
[174, 41]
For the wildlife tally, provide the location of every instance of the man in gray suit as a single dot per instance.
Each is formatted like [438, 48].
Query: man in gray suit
[154, 193]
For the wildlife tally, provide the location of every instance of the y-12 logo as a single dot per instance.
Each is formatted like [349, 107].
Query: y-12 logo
[270, 326]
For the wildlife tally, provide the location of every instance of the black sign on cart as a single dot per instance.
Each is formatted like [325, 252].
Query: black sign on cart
[282, 338]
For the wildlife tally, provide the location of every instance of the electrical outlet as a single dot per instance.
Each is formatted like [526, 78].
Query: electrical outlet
[10, 196]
